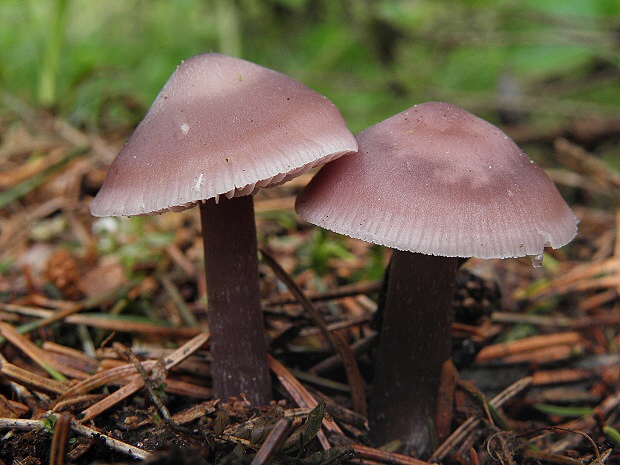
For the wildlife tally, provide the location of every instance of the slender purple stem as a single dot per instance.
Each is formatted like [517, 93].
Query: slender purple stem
[414, 342]
[238, 340]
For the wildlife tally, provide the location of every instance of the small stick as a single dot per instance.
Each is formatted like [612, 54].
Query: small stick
[544, 355]
[122, 393]
[121, 374]
[337, 341]
[556, 321]
[565, 375]
[13, 408]
[187, 388]
[301, 397]
[102, 322]
[59, 439]
[78, 402]
[473, 423]
[146, 380]
[36, 425]
[273, 442]
[597, 300]
[183, 310]
[135, 383]
[526, 344]
[292, 413]
[599, 171]
[334, 361]
[180, 259]
[348, 290]
[381, 456]
[344, 324]
[546, 457]
[445, 400]
[76, 358]
[588, 422]
[55, 368]
[32, 380]
[71, 308]
[583, 277]
[109, 441]
[21, 424]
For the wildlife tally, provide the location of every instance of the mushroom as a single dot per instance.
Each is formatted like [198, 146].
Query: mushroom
[434, 183]
[220, 129]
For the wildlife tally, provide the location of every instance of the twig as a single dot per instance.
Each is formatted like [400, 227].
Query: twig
[324, 383]
[55, 368]
[362, 288]
[101, 321]
[180, 259]
[550, 455]
[30, 168]
[77, 403]
[368, 453]
[21, 424]
[135, 383]
[337, 326]
[75, 307]
[146, 380]
[589, 276]
[32, 380]
[59, 439]
[473, 423]
[358, 347]
[37, 425]
[273, 442]
[527, 344]
[185, 313]
[557, 321]
[588, 422]
[74, 357]
[248, 425]
[109, 441]
[125, 372]
[445, 400]
[28, 185]
[560, 376]
[600, 172]
[337, 341]
[301, 397]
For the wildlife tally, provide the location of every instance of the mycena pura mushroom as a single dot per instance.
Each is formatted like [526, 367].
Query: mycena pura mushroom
[434, 183]
[220, 129]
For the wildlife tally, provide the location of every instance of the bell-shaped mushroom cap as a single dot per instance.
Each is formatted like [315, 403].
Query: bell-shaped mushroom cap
[221, 126]
[438, 180]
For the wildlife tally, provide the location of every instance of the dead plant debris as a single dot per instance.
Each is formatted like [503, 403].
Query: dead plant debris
[102, 359]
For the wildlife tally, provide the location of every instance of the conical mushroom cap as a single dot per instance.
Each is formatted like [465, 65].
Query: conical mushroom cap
[221, 126]
[438, 180]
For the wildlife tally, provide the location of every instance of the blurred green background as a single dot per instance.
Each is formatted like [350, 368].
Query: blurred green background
[101, 63]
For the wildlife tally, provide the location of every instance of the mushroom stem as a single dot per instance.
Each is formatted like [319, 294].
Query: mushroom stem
[238, 343]
[413, 344]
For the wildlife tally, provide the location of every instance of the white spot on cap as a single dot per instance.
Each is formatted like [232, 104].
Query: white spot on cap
[199, 182]
[185, 128]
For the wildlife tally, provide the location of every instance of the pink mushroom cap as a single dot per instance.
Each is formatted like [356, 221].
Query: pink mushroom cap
[437, 180]
[221, 126]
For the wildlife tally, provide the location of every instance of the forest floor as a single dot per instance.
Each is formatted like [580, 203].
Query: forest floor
[101, 358]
